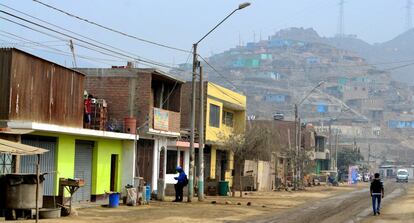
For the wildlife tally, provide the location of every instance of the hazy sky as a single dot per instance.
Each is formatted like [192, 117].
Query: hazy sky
[180, 23]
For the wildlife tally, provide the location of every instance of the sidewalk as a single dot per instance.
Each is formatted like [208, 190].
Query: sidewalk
[213, 209]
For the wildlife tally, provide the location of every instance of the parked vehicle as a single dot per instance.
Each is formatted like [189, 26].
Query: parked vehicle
[278, 116]
[402, 175]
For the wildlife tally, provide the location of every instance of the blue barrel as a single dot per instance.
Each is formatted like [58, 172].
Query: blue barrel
[113, 200]
[148, 193]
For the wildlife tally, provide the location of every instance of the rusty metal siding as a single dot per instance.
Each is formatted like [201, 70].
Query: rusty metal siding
[5, 59]
[45, 92]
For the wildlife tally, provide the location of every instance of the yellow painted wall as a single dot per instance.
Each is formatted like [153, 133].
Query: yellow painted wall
[101, 171]
[220, 96]
[228, 175]
[213, 158]
[101, 164]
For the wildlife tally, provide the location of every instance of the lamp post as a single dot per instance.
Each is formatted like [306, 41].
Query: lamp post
[297, 133]
[192, 122]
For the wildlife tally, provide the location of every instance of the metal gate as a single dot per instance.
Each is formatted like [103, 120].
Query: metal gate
[83, 169]
[47, 160]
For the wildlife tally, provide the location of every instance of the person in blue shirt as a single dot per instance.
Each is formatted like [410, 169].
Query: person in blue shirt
[181, 183]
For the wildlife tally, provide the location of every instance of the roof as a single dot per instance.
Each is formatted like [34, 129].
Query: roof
[15, 148]
[40, 58]
[128, 72]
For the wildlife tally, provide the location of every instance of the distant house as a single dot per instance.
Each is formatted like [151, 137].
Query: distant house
[313, 60]
[279, 98]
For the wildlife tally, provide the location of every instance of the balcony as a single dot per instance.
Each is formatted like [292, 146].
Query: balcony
[165, 120]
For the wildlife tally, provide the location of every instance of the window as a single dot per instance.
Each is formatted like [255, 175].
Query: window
[227, 118]
[172, 156]
[214, 116]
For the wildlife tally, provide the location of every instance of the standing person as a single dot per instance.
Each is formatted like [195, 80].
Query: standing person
[377, 192]
[181, 183]
[88, 111]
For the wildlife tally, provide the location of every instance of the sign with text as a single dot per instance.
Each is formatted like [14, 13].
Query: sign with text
[160, 119]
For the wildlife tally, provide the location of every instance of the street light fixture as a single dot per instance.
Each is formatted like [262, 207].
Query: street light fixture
[201, 123]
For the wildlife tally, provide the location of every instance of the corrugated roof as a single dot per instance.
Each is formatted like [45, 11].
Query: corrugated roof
[15, 148]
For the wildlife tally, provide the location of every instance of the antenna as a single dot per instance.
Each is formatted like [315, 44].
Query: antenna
[408, 20]
[341, 25]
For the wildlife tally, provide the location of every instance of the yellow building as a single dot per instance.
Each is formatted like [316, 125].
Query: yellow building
[225, 112]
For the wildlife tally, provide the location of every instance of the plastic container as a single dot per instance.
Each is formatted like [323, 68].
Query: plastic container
[130, 125]
[148, 193]
[223, 188]
[113, 200]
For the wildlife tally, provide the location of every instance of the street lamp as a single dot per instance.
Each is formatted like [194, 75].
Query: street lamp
[298, 129]
[201, 122]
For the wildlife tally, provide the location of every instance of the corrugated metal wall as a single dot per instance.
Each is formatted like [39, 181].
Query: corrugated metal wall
[47, 160]
[40, 91]
[83, 169]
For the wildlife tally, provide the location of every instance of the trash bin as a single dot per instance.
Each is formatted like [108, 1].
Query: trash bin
[223, 188]
[113, 200]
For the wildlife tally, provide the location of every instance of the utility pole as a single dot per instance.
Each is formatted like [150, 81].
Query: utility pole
[201, 140]
[191, 174]
[330, 143]
[72, 49]
[336, 151]
[192, 126]
[296, 149]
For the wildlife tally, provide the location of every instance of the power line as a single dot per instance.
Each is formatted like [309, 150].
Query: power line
[55, 50]
[89, 43]
[220, 74]
[112, 29]
[59, 27]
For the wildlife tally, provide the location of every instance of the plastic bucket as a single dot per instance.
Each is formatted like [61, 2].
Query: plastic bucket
[223, 188]
[130, 125]
[148, 193]
[113, 200]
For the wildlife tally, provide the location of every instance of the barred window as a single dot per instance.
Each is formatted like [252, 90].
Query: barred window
[214, 116]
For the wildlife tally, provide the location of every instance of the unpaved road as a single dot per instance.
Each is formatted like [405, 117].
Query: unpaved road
[347, 208]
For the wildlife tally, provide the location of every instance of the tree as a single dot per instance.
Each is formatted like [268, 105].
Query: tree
[346, 158]
[252, 144]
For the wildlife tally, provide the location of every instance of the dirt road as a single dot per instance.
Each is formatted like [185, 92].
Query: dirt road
[213, 209]
[400, 210]
[347, 208]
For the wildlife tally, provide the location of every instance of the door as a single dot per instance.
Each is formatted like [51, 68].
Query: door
[83, 169]
[144, 159]
[114, 172]
[47, 160]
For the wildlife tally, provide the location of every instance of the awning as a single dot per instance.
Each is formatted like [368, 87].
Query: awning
[15, 148]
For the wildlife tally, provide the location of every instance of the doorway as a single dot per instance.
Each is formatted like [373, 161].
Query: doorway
[114, 172]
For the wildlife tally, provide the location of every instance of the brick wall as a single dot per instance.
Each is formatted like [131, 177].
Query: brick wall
[115, 90]
[174, 121]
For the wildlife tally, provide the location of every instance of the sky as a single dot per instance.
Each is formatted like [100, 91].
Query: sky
[181, 23]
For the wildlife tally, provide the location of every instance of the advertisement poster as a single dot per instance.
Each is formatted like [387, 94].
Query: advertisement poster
[160, 119]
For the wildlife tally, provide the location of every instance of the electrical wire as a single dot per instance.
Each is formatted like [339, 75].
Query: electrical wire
[112, 29]
[59, 27]
[220, 74]
[57, 51]
[80, 40]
